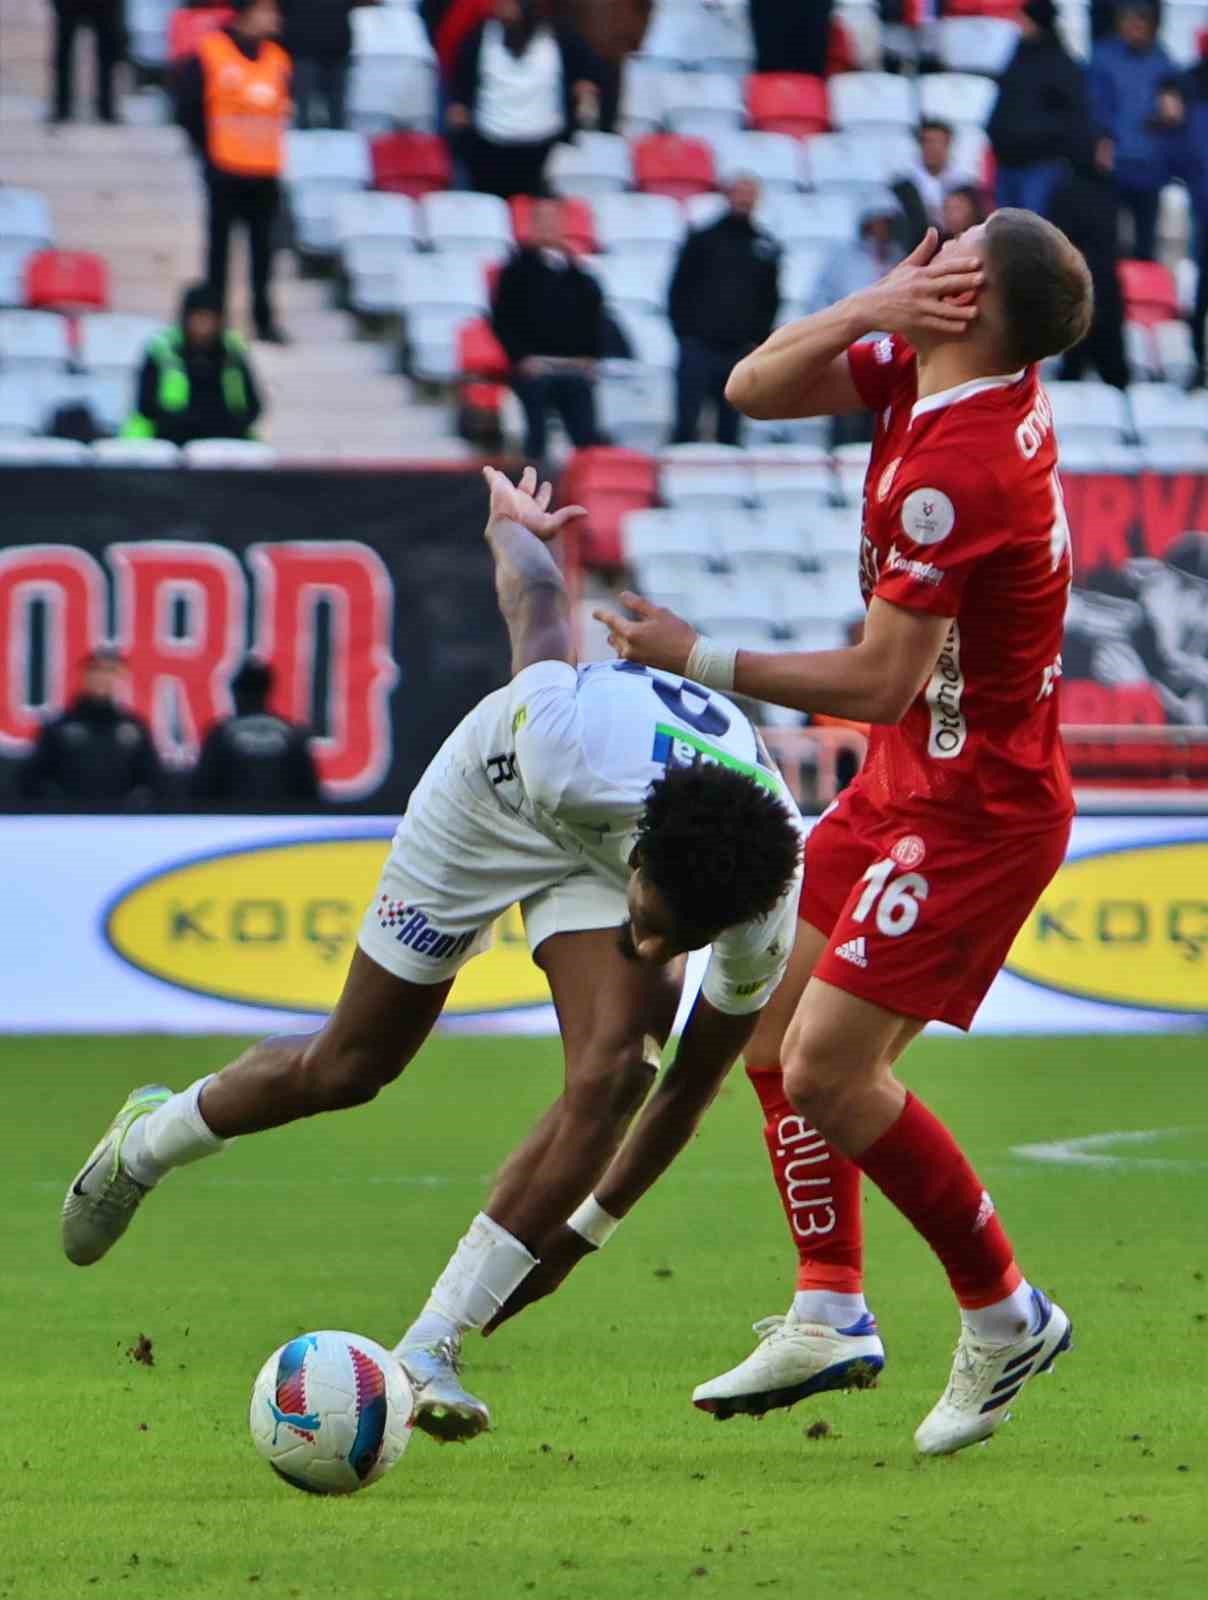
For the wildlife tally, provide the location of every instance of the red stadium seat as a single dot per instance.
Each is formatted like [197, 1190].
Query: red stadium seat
[787, 102]
[578, 222]
[841, 52]
[187, 28]
[610, 482]
[666, 163]
[479, 352]
[1150, 295]
[66, 280]
[1006, 9]
[413, 164]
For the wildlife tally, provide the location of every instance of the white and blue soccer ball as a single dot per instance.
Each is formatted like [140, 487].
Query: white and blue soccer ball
[331, 1412]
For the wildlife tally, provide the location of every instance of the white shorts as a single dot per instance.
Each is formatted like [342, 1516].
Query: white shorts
[459, 859]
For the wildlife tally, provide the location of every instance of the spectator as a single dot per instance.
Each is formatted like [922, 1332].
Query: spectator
[869, 256]
[195, 381]
[95, 753]
[725, 293]
[318, 38]
[105, 18]
[964, 208]
[1194, 166]
[549, 317]
[233, 102]
[1084, 207]
[789, 38]
[920, 190]
[910, 34]
[519, 88]
[1041, 119]
[1104, 13]
[255, 758]
[1138, 108]
[448, 22]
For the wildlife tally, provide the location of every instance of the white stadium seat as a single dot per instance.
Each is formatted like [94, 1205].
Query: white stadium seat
[635, 404]
[226, 453]
[703, 210]
[977, 44]
[327, 155]
[763, 544]
[1176, 357]
[710, 476]
[799, 272]
[735, 609]
[480, 224]
[33, 341]
[1094, 408]
[772, 158]
[147, 31]
[671, 538]
[633, 283]
[792, 479]
[957, 97]
[856, 160]
[115, 342]
[834, 531]
[793, 433]
[638, 223]
[20, 408]
[700, 104]
[14, 254]
[393, 77]
[44, 453]
[1082, 452]
[851, 468]
[641, 98]
[1141, 352]
[717, 39]
[371, 267]
[367, 214]
[136, 453]
[871, 100]
[108, 395]
[444, 282]
[1164, 416]
[595, 164]
[811, 221]
[25, 218]
[1181, 24]
[650, 338]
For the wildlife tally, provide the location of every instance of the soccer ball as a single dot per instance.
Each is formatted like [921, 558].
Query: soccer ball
[331, 1412]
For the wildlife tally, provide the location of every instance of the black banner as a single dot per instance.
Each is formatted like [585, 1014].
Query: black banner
[370, 593]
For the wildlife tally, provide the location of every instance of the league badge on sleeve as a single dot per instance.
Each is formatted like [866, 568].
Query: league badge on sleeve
[928, 516]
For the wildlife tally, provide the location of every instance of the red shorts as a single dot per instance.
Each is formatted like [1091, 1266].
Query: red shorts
[921, 922]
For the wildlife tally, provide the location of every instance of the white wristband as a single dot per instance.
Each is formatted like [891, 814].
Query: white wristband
[711, 664]
[592, 1222]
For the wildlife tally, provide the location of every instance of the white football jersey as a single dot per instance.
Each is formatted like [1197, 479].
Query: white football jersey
[575, 750]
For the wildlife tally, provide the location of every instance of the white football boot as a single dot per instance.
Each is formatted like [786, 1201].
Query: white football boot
[104, 1197]
[792, 1361]
[443, 1408]
[987, 1377]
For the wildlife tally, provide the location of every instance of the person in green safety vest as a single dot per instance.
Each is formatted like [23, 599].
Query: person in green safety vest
[195, 381]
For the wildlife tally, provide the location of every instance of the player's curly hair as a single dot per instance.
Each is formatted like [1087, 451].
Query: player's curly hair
[719, 847]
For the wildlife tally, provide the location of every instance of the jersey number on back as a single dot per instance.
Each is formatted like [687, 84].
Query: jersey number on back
[708, 718]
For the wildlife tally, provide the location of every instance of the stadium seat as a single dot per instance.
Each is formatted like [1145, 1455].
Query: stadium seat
[15, 256]
[1150, 295]
[957, 97]
[633, 283]
[772, 158]
[475, 224]
[595, 164]
[414, 164]
[480, 354]
[786, 432]
[1176, 358]
[1141, 352]
[1166, 417]
[710, 477]
[578, 222]
[609, 482]
[700, 104]
[871, 100]
[703, 210]
[834, 531]
[851, 468]
[371, 269]
[226, 453]
[672, 538]
[115, 342]
[25, 218]
[635, 404]
[365, 214]
[187, 27]
[789, 479]
[667, 164]
[649, 336]
[787, 102]
[20, 408]
[811, 221]
[799, 271]
[1093, 408]
[857, 160]
[641, 109]
[1186, 277]
[734, 610]
[147, 23]
[717, 39]
[830, 594]
[34, 341]
[136, 453]
[442, 282]
[44, 453]
[1082, 452]
[638, 224]
[1182, 21]
[66, 280]
[763, 545]
[108, 396]
[329, 156]
[393, 78]
[977, 44]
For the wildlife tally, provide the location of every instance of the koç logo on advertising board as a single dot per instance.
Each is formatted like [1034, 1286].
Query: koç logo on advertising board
[275, 925]
[1128, 927]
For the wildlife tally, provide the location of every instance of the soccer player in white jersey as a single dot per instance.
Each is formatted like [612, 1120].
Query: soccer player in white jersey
[634, 817]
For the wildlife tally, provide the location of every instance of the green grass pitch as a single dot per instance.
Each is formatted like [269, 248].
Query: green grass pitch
[599, 1481]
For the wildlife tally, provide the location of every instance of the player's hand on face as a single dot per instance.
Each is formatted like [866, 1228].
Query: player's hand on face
[654, 636]
[932, 293]
[528, 503]
[558, 1255]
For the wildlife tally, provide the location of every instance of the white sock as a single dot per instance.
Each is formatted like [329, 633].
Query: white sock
[835, 1310]
[482, 1272]
[1006, 1320]
[170, 1136]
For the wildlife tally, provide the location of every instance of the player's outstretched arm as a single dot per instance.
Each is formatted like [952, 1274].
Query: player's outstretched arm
[530, 586]
[874, 681]
[802, 370]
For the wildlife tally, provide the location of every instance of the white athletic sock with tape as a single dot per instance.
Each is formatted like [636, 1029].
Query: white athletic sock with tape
[172, 1135]
[483, 1271]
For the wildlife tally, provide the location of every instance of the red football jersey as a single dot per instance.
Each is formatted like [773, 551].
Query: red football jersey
[963, 517]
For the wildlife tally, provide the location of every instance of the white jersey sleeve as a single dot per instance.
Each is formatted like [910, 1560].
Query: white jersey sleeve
[748, 962]
[554, 750]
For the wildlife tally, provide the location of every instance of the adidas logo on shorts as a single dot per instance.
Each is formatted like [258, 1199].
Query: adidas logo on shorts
[854, 951]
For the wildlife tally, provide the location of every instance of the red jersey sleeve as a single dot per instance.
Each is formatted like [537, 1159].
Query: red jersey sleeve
[943, 519]
[878, 367]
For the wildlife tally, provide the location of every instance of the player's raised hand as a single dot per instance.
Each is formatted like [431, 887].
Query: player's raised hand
[932, 292]
[528, 503]
[654, 636]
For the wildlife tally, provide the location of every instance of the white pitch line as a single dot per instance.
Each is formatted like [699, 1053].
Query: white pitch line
[1093, 1150]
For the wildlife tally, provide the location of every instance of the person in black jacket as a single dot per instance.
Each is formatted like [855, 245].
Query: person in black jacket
[255, 759]
[196, 380]
[318, 37]
[105, 18]
[1041, 122]
[549, 317]
[791, 38]
[725, 293]
[1085, 208]
[95, 754]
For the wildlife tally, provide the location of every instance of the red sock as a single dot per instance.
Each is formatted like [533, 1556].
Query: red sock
[819, 1190]
[919, 1167]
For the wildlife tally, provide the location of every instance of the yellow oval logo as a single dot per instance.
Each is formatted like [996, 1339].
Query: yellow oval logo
[275, 925]
[1128, 927]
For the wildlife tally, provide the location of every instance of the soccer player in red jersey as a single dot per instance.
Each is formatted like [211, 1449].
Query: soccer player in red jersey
[918, 879]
